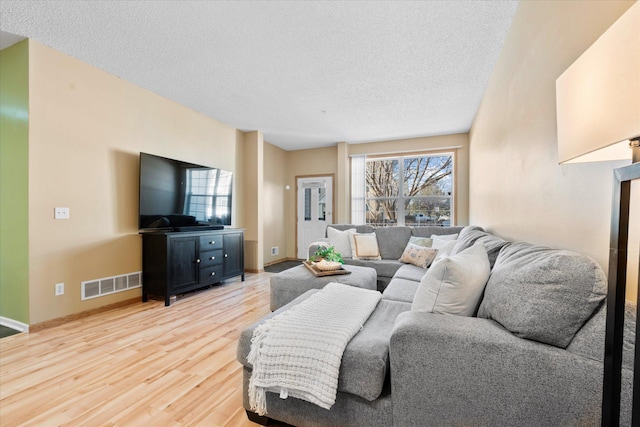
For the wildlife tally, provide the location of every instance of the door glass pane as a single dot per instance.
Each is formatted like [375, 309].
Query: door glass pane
[322, 204]
[307, 204]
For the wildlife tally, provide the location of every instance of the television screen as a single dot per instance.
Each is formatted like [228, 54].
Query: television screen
[176, 194]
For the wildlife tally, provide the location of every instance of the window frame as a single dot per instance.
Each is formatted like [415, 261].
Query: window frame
[401, 199]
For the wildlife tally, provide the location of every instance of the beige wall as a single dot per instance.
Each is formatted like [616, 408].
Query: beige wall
[86, 130]
[316, 161]
[253, 183]
[517, 188]
[275, 212]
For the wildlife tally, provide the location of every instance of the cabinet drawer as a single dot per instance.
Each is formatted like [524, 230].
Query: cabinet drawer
[211, 275]
[211, 258]
[210, 242]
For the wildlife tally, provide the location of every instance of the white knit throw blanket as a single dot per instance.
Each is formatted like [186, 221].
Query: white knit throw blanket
[298, 352]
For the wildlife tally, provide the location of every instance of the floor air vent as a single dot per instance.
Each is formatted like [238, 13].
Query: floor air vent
[110, 285]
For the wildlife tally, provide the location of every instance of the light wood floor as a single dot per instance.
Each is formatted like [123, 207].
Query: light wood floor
[143, 364]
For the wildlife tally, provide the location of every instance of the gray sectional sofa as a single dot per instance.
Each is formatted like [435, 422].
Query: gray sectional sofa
[530, 356]
[391, 241]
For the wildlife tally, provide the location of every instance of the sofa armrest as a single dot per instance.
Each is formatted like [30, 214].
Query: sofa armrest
[453, 370]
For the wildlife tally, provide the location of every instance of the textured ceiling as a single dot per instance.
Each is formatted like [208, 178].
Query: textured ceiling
[307, 73]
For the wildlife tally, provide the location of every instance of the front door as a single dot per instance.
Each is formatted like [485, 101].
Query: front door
[314, 210]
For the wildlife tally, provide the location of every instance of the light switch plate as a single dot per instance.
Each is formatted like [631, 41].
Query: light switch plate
[61, 213]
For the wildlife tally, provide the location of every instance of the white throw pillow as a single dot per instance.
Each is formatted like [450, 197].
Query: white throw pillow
[364, 246]
[444, 248]
[442, 238]
[340, 240]
[454, 285]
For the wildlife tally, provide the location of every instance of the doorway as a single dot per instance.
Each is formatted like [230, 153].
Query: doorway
[314, 203]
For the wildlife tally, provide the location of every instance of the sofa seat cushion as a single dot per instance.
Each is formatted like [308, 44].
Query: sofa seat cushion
[383, 267]
[365, 362]
[410, 272]
[403, 290]
[543, 294]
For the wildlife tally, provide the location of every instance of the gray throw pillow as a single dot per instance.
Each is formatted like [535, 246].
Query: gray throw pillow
[471, 234]
[543, 294]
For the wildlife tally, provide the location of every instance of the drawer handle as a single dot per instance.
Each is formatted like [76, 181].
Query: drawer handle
[213, 242]
[197, 261]
[213, 273]
[212, 258]
[226, 255]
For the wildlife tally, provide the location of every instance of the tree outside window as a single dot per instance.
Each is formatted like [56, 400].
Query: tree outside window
[414, 190]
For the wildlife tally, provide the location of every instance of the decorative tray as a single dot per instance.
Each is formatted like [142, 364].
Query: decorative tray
[320, 273]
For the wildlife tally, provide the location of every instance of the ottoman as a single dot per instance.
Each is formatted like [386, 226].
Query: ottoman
[290, 284]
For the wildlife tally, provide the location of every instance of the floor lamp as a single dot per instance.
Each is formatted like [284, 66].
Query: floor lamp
[598, 112]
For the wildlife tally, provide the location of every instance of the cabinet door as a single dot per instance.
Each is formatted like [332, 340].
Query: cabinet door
[233, 254]
[183, 262]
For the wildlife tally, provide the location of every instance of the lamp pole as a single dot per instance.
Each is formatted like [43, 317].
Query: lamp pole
[613, 349]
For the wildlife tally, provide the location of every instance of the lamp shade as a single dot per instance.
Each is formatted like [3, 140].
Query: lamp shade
[598, 96]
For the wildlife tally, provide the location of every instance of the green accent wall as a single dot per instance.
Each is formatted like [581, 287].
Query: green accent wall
[14, 182]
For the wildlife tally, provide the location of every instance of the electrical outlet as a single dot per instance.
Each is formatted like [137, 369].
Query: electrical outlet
[274, 251]
[59, 289]
[61, 213]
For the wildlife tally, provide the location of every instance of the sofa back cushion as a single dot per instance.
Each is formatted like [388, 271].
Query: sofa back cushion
[543, 294]
[429, 230]
[472, 234]
[392, 241]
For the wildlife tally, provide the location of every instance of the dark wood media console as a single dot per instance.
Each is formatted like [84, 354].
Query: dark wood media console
[177, 262]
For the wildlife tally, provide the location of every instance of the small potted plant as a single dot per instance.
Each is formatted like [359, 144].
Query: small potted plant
[326, 258]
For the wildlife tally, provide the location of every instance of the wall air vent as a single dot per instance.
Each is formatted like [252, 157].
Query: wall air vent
[110, 285]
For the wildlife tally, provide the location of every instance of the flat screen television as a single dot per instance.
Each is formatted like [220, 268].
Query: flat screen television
[182, 196]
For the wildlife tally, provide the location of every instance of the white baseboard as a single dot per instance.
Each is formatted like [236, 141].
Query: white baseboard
[14, 324]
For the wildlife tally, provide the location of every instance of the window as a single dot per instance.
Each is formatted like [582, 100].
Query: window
[413, 190]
